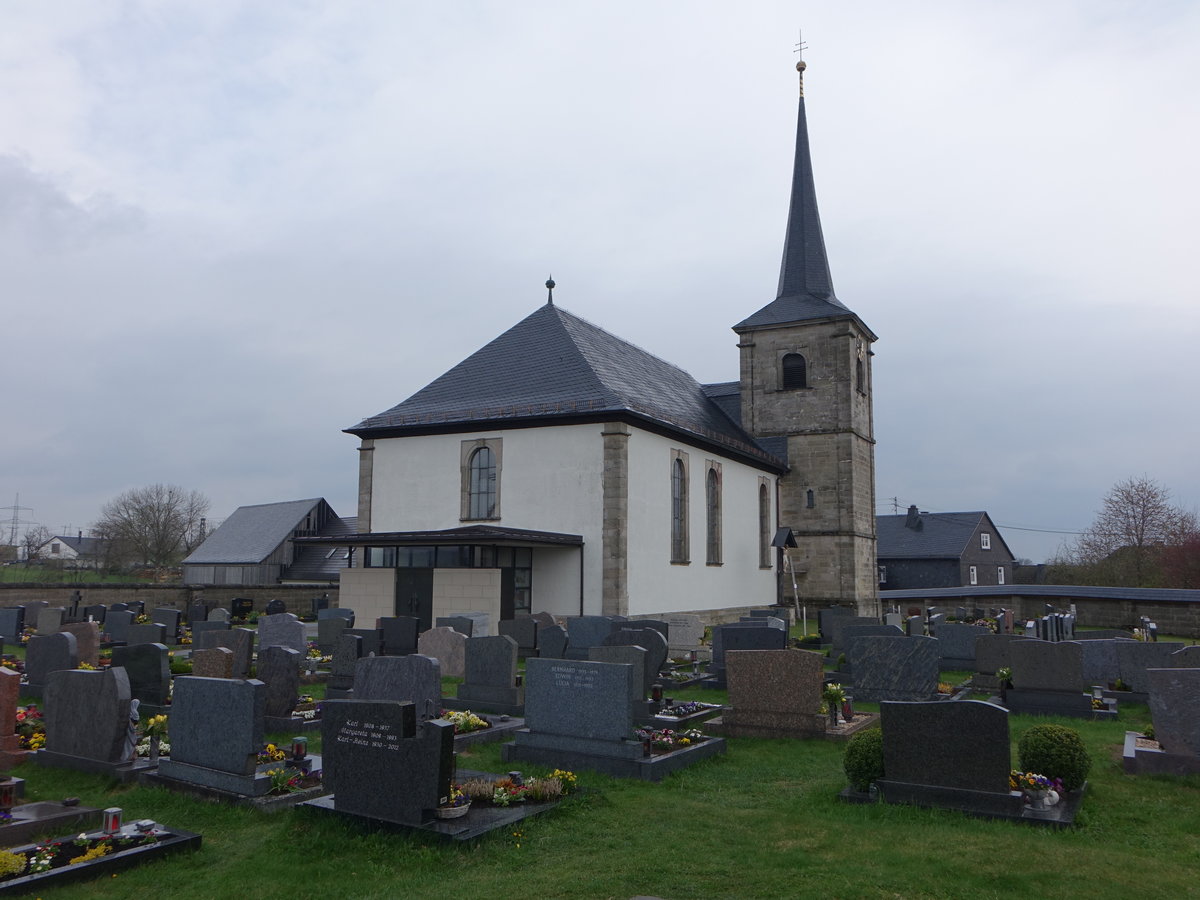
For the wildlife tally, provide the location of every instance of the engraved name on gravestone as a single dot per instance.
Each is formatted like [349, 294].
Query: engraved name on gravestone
[684, 631]
[580, 699]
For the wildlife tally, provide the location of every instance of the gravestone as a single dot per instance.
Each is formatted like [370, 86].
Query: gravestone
[894, 619]
[11, 753]
[337, 612]
[87, 720]
[372, 640]
[1174, 701]
[400, 634]
[838, 627]
[275, 607]
[543, 619]
[50, 620]
[852, 632]
[329, 629]
[149, 633]
[47, 653]
[523, 630]
[948, 755]
[914, 626]
[481, 622]
[650, 640]
[117, 624]
[490, 683]
[197, 612]
[1103, 634]
[87, 641]
[461, 624]
[658, 625]
[933, 622]
[740, 637]
[825, 618]
[169, 618]
[279, 669]
[381, 763]
[1099, 662]
[148, 668]
[774, 694]
[200, 628]
[552, 642]
[282, 630]
[584, 632]
[956, 644]
[447, 646]
[414, 678]
[216, 733]
[1187, 658]
[119, 607]
[346, 655]
[242, 607]
[319, 603]
[991, 655]
[631, 655]
[12, 624]
[1047, 680]
[894, 668]
[239, 640]
[1136, 657]
[684, 632]
[220, 614]
[216, 662]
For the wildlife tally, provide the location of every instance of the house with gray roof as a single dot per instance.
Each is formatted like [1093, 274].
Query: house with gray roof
[560, 468]
[257, 545]
[941, 550]
[77, 552]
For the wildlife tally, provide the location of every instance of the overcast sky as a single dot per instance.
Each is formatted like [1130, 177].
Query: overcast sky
[229, 230]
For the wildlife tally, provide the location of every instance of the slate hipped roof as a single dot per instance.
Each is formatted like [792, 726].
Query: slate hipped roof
[805, 285]
[937, 535]
[553, 365]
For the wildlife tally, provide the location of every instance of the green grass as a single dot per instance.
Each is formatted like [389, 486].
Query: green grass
[48, 577]
[762, 821]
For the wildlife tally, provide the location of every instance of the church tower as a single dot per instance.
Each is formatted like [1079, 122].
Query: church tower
[805, 378]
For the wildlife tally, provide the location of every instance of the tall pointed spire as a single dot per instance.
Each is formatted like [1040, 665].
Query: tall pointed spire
[805, 267]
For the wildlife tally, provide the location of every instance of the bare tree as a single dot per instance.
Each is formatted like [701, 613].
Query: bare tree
[1124, 545]
[156, 525]
[35, 538]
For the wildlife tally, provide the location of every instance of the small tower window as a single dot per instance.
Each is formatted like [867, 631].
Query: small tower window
[795, 372]
[810, 499]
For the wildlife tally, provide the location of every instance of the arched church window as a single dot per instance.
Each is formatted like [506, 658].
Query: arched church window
[712, 499]
[764, 527]
[679, 514]
[483, 484]
[795, 372]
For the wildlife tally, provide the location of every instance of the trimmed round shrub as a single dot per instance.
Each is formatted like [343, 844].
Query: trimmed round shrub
[863, 761]
[1056, 752]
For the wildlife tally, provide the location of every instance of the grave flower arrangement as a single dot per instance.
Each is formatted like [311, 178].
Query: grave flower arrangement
[307, 707]
[270, 753]
[666, 740]
[57, 854]
[31, 727]
[291, 781]
[464, 720]
[506, 791]
[11, 662]
[679, 710]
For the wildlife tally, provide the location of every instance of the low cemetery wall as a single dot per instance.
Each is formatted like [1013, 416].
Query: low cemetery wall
[298, 598]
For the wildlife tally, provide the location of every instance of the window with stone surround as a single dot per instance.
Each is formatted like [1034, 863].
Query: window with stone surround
[794, 372]
[679, 507]
[712, 505]
[764, 525]
[480, 466]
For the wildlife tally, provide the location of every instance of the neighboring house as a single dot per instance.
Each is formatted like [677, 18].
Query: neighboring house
[937, 550]
[561, 468]
[257, 546]
[73, 552]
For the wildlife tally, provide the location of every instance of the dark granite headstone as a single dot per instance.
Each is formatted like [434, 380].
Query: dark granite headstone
[659, 625]
[1046, 666]
[1187, 658]
[12, 622]
[415, 678]
[117, 624]
[523, 630]
[543, 619]
[491, 673]
[741, 637]
[400, 634]
[372, 640]
[149, 669]
[149, 633]
[1136, 657]
[629, 655]
[839, 624]
[197, 612]
[346, 655]
[956, 643]
[552, 642]
[279, 669]
[48, 653]
[337, 612]
[584, 632]
[650, 640]
[216, 732]
[825, 619]
[574, 698]
[1099, 662]
[991, 652]
[119, 607]
[1174, 700]
[50, 620]
[381, 763]
[168, 617]
[87, 714]
[329, 629]
[275, 607]
[282, 630]
[951, 755]
[199, 628]
[894, 668]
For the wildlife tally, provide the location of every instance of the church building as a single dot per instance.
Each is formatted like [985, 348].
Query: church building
[562, 469]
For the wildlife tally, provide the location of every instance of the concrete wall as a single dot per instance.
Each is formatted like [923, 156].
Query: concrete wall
[467, 590]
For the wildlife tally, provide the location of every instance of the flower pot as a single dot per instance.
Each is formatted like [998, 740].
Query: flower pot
[154, 749]
[1038, 799]
[452, 812]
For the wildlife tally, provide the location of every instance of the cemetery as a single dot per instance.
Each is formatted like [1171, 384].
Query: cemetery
[527, 744]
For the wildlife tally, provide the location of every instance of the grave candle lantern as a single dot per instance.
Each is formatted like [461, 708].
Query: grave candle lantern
[6, 794]
[299, 747]
[656, 692]
[112, 820]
